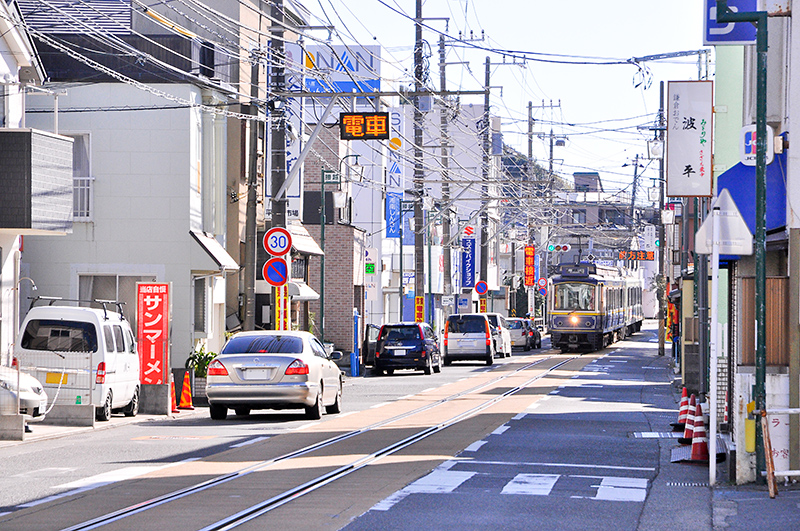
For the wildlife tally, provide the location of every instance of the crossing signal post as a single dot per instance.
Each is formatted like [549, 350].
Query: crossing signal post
[558, 247]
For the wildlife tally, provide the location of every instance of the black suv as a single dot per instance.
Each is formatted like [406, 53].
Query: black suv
[407, 346]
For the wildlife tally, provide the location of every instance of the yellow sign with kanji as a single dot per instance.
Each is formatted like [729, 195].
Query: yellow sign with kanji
[419, 309]
[637, 255]
[364, 126]
[482, 305]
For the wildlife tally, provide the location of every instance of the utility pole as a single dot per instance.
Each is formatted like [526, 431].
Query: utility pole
[419, 235]
[483, 275]
[633, 195]
[249, 322]
[662, 249]
[446, 258]
[278, 118]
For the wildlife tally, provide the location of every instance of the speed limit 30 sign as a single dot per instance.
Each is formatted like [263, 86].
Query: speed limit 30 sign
[277, 241]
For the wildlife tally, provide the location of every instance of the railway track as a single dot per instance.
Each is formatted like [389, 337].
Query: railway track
[411, 426]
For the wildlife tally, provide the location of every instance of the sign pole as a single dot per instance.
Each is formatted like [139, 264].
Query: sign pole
[714, 344]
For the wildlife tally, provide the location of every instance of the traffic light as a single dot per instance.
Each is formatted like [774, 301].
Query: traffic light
[658, 242]
[558, 247]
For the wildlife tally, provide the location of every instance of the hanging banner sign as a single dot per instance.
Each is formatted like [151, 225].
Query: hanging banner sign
[530, 265]
[468, 263]
[152, 331]
[393, 214]
[689, 112]
[364, 126]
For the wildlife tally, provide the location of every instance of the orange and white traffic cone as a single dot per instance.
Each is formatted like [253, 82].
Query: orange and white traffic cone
[690, 418]
[186, 393]
[699, 439]
[173, 398]
[682, 413]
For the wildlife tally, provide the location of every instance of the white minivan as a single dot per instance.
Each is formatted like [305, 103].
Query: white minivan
[82, 356]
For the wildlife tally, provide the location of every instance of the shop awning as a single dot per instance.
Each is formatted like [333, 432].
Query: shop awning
[740, 180]
[299, 291]
[302, 242]
[209, 255]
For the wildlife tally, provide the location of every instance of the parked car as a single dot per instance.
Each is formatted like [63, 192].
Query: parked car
[503, 337]
[468, 336]
[370, 343]
[274, 369]
[521, 333]
[407, 346]
[32, 397]
[83, 356]
[536, 334]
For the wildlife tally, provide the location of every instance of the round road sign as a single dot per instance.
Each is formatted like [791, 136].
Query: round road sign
[542, 291]
[542, 282]
[277, 241]
[481, 287]
[276, 272]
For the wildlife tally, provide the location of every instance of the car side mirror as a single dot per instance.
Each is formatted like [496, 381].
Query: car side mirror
[336, 355]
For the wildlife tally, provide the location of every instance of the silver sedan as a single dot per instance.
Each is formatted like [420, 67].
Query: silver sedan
[274, 370]
[32, 397]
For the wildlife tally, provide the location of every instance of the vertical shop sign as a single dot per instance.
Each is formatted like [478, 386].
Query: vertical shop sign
[152, 330]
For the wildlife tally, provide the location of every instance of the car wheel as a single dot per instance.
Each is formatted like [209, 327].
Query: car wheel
[490, 358]
[132, 409]
[438, 367]
[390, 371]
[377, 371]
[336, 407]
[428, 366]
[242, 411]
[527, 346]
[539, 344]
[218, 412]
[315, 412]
[104, 412]
[447, 361]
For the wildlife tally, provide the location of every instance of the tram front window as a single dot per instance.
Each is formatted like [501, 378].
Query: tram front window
[574, 296]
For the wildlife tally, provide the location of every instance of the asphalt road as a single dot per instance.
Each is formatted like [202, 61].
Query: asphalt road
[582, 445]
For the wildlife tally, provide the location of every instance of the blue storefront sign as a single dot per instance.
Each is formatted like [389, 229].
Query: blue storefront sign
[393, 214]
[468, 263]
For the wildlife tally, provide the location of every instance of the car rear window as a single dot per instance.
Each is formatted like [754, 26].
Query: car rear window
[514, 325]
[469, 324]
[398, 333]
[65, 336]
[265, 344]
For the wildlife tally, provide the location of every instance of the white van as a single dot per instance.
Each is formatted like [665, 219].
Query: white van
[82, 356]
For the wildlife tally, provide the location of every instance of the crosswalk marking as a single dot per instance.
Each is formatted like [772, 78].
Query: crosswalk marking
[622, 489]
[531, 484]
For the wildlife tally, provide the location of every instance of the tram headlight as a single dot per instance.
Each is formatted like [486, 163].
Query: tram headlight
[573, 319]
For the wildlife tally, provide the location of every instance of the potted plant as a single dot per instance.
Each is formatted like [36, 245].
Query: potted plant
[198, 362]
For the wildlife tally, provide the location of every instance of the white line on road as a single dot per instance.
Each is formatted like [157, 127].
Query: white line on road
[251, 441]
[474, 447]
[500, 430]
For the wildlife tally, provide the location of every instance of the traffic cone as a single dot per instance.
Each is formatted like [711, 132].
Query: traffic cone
[173, 400]
[699, 439]
[682, 413]
[690, 418]
[186, 393]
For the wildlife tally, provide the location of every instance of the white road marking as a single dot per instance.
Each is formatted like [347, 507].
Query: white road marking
[564, 465]
[474, 447]
[622, 489]
[439, 482]
[500, 430]
[520, 416]
[531, 484]
[248, 442]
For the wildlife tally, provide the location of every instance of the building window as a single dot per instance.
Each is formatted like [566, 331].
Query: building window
[579, 216]
[200, 306]
[112, 288]
[82, 181]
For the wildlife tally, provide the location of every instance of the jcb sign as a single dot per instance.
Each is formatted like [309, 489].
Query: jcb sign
[364, 125]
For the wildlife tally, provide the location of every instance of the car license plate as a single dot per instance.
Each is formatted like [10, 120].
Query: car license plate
[255, 374]
[55, 378]
[398, 352]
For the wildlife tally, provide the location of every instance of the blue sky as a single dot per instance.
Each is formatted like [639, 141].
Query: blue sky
[596, 100]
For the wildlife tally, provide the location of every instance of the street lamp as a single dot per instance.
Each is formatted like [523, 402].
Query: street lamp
[329, 177]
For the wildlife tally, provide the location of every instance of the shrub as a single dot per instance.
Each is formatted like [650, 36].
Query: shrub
[199, 360]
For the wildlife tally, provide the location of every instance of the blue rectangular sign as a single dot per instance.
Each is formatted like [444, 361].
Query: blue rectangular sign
[468, 263]
[715, 33]
[393, 214]
[536, 267]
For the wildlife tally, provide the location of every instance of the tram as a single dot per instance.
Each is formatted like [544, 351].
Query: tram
[592, 306]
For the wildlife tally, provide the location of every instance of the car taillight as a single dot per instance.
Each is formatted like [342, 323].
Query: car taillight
[14, 362]
[101, 373]
[446, 331]
[297, 367]
[488, 334]
[216, 368]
